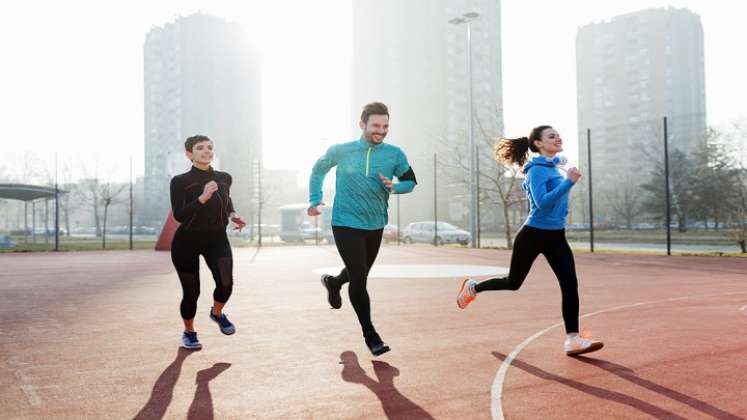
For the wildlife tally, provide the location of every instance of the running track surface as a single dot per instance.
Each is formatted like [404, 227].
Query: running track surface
[94, 335]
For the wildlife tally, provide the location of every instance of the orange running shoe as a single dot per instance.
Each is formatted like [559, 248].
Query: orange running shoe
[467, 293]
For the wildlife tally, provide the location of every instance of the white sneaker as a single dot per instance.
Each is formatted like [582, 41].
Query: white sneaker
[467, 293]
[578, 345]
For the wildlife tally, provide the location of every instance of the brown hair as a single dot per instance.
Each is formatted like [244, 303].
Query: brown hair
[374, 108]
[191, 141]
[516, 151]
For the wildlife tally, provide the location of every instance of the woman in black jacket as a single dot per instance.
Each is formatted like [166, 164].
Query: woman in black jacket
[201, 203]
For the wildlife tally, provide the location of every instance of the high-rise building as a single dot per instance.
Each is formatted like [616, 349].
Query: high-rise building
[201, 77]
[632, 71]
[407, 55]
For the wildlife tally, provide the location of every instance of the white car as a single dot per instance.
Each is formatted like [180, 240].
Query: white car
[442, 233]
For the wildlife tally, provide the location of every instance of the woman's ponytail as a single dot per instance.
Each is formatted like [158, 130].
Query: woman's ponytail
[516, 151]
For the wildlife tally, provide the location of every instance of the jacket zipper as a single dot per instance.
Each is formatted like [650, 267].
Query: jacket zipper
[368, 159]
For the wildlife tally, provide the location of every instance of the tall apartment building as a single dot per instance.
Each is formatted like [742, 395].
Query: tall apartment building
[201, 77]
[632, 71]
[407, 55]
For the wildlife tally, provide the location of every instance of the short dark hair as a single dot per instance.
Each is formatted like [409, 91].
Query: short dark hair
[191, 141]
[374, 108]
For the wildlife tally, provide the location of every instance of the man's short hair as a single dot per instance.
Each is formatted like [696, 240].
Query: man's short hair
[374, 108]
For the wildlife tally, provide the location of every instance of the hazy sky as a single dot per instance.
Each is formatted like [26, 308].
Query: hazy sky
[72, 79]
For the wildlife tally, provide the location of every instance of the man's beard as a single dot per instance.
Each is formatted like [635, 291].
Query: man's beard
[370, 137]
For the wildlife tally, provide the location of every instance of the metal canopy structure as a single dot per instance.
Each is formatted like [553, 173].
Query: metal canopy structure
[26, 192]
[30, 193]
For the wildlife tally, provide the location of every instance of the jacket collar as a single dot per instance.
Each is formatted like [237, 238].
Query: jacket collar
[196, 170]
[366, 144]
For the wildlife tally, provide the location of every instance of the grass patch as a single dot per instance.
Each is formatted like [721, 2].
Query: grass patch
[79, 245]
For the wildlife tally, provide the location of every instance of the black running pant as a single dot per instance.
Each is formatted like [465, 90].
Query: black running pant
[529, 243]
[186, 248]
[358, 249]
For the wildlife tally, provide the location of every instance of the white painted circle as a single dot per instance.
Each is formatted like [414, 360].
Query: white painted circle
[496, 391]
[423, 270]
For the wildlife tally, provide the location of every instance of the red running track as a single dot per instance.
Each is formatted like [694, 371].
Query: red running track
[95, 335]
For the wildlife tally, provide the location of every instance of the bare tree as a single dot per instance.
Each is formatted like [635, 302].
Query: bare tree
[680, 191]
[87, 193]
[63, 177]
[736, 140]
[625, 201]
[94, 193]
[109, 194]
[499, 184]
[67, 205]
[738, 218]
[31, 168]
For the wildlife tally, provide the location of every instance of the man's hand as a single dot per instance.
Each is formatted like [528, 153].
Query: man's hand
[314, 211]
[387, 183]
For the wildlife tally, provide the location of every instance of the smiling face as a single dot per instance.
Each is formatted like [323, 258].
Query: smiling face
[202, 153]
[376, 128]
[549, 143]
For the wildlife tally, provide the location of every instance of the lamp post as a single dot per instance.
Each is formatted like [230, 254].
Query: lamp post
[467, 19]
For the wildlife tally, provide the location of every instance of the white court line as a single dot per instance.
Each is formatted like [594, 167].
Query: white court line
[744, 309]
[496, 393]
[397, 271]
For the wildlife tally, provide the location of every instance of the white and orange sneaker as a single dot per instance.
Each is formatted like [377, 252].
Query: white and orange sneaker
[467, 293]
[575, 345]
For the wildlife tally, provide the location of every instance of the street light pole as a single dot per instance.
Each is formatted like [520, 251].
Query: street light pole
[467, 19]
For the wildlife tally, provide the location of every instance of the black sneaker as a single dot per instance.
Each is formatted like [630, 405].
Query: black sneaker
[333, 292]
[374, 343]
[190, 341]
[226, 327]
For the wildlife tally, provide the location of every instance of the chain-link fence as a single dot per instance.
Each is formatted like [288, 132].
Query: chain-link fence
[674, 186]
[664, 185]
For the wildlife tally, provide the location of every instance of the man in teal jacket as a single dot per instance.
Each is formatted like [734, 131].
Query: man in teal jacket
[365, 170]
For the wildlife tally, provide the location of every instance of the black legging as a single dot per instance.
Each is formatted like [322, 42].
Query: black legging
[186, 248]
[358, 249]
[529, 243]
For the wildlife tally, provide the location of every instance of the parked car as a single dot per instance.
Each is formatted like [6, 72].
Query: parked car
[6, 242]
[443, 233]
[296, 226]
[267, 229]
[390, 233]
[577, 226]
[308, 231]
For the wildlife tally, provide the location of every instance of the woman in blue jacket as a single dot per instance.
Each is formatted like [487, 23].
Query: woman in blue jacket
[543, 231]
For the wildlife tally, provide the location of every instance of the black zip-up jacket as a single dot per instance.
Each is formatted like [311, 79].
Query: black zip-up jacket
[211, 216]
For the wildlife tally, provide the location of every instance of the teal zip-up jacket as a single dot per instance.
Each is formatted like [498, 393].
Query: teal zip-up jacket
[361, 199]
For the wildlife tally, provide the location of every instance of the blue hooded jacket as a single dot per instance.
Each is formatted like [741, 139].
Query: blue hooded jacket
[547, 189]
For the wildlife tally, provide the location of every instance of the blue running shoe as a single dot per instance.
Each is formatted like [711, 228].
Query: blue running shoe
[226, 327]
[190, 341]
